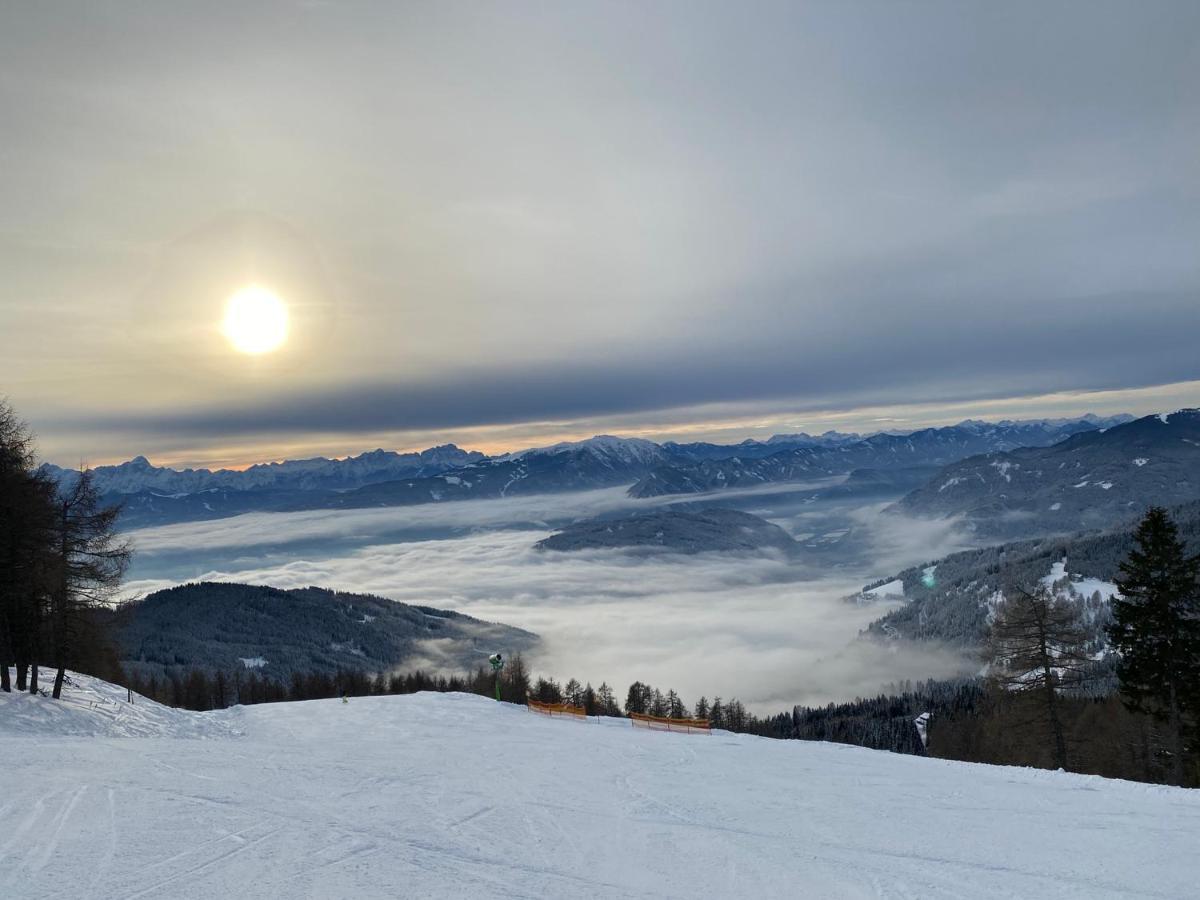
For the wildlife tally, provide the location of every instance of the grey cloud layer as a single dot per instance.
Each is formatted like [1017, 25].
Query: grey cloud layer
[500, 213]
[1103, 343]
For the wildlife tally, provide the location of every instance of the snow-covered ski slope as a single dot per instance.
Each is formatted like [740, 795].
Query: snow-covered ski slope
[456, 796]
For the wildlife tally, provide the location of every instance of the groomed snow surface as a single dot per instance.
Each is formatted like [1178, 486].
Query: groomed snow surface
[457, 796]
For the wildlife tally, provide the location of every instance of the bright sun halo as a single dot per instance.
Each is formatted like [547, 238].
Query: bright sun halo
[256, 321]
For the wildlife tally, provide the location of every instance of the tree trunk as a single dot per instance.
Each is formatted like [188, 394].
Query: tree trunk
[33, 678]
[61, 644]
[5, 655]
[1060, 743]
[1176, 740]
[21, 669]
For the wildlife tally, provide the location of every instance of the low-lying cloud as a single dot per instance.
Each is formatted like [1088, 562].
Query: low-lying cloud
[770, 630]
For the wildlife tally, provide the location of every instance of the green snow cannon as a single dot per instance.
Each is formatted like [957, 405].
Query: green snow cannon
[497, 662]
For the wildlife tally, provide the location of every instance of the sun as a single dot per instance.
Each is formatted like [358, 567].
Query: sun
[256, 320]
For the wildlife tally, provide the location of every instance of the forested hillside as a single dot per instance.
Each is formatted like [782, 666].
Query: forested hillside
[222, 627]
[949, 598]
[675, 530]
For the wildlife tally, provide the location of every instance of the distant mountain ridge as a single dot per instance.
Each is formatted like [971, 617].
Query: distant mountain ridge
[153, 495]
[317, 473]
[601, 461]
[753, 449]
[926, 447]
[1092, 480]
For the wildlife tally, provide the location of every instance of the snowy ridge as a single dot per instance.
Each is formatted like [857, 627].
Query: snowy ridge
[452, 796]
[92, 707]
[621, 451]
[1092, 480]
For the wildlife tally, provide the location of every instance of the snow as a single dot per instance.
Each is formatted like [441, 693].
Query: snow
[1055, 507]
[891, 589]
[627, 451]
[1165, 418]
[253, 662]
[1140, 461]
[1084, 587]
[1002, 468]
[1105, 485]
[448, 796]
[1058, 571]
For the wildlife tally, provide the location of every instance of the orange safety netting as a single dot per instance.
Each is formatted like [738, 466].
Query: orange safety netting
[557, 709]
[662, 723]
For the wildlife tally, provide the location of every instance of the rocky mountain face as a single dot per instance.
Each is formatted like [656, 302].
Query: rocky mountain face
[674, 530]
[227, 627]
[927, 447]
[1092, 480]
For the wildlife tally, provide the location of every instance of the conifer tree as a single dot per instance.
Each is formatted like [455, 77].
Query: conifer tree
[716, 714]
[88, 564]
[514, 680]
[607, 700]
[573, 693]
[1036, 647]
[675, 707]
[589, 701]
[1156, 629]
[635, 700]
[658, 705]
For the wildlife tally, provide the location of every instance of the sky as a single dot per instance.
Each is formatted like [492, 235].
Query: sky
[508, 223]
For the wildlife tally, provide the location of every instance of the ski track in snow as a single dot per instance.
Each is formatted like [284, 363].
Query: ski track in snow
[456, 796]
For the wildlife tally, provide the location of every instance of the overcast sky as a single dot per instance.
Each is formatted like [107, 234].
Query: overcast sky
[497, 223]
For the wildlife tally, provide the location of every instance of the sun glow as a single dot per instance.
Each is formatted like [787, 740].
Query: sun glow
[256, 320]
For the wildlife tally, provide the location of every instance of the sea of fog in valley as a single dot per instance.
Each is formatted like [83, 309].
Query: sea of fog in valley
[768, 629]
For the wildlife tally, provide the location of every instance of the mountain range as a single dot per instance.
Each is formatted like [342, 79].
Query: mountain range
[152, 495]
[1091, 480]
[315, 474]
[926, 447]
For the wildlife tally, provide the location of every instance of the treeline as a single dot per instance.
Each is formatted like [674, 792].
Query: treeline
[204, 689]
[1101, 735]
[886, 722]
[60, 560]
